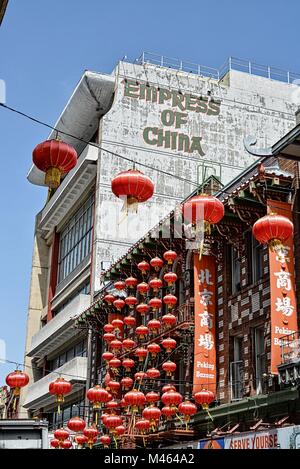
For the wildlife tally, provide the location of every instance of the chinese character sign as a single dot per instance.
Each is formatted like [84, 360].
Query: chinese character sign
[205, 327]
[282, 288]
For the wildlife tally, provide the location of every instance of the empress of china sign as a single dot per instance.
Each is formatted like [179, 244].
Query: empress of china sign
[170, 135]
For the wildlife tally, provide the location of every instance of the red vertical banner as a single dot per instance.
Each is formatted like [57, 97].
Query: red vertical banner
[205, 376]
[282, 288]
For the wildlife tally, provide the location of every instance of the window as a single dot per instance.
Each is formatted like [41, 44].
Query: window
[259, 359]
[256, 259]
[235, 271]
[76, 239]
[78, 350]
[84, 289]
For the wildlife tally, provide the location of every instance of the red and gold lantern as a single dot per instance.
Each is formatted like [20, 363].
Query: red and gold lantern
[155, 304]
[55, 158]
[154, 349]
[157, 263]
[169, 367]
[169, 320]
[204, 398]
[142, 288]
[97, 396]
[129, 321]
[169, 344]
[135, 400]
[154, 326]
[273, 229]
[170, 256]
[170, 278]
[76, 424]
[131, 282]
[60, 387]
[144, 267]
[170, 301]
[133, 186]
[142, 308]
[155, 284]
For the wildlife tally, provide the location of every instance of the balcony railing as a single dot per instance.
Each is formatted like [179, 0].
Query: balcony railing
[290, 348]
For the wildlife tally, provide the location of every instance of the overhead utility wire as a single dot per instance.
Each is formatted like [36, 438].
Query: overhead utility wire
[23, 114]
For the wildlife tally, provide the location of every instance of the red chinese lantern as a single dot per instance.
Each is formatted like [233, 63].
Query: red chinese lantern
[111, 422]
[152, 397]
[273, 229]
[188, 409]
[91, 433]
[128, 363]
[135, 399]
[171, 398]
[152, 414]
[61, 434]
[144, 267]
[81, 440]
[153, 373]
[142, 288]
[60, 387]
[169, 344]
[155, 303]
[170, 256]
[120, 430]
[76, 424]
[108, 337]
[54, 158]
[154, 349]
[168, 412]
[97, 396]
[131, 301]
[126, 383]
[168, 387]
[154, 326]
[169, 320]
[105, 440]
[141, 332]
[155, 284]
[205, 208]
[119, 304]
[170, 278]
[170, 300]
[169, 367]
[117, 324]
[140, 376]
[142, 426]
[112, 405]
[141, 353]
[113, 386]
[54, 443]
[129, 321]
[16, 380]
[108, 328]
[114, 364]
[120, 285]
[128, 344]
[131, 282]
[133, 186]
[109, 298]
[66, 444]
[157, 263]
[204, 398]
[107, 356]
[115, 345]
[142, 308]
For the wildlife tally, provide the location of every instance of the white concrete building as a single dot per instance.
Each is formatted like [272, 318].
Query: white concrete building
[183, 119]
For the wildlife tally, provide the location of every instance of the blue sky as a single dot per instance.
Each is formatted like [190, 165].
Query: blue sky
[44, 48]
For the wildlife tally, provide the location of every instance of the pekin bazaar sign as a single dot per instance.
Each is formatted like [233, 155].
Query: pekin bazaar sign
[175, 116]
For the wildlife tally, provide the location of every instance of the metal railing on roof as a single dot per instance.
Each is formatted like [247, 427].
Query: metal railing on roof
[232, 63]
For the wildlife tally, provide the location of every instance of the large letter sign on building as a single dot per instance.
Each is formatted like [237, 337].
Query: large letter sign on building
[282, 285]
[205, 324]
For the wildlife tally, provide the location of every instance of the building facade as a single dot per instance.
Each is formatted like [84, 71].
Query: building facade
[161, 116]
